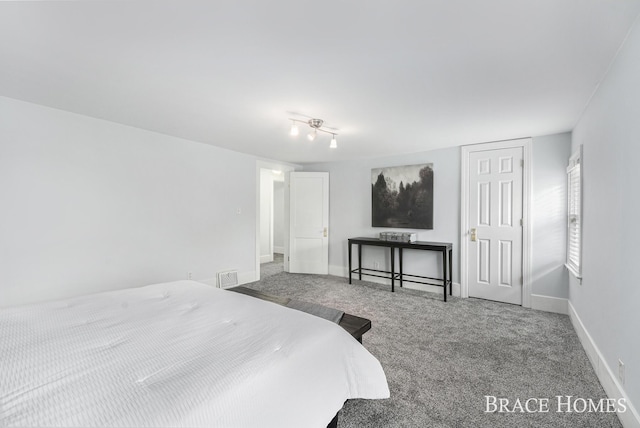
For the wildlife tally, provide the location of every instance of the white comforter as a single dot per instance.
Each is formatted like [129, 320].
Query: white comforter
[177, 354]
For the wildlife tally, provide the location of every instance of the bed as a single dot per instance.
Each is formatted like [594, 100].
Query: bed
[177, 354]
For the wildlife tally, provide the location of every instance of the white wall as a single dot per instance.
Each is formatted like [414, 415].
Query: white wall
[550, 154]
[90, 205]
[608, 300]
[350, 212]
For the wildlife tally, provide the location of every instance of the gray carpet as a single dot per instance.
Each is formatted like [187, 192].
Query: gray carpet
[442, 359]
[272, 268]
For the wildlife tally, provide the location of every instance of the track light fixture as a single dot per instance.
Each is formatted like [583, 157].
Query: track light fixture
[315, 125]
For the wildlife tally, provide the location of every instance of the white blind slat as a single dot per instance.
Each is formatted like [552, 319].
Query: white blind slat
[574, 208]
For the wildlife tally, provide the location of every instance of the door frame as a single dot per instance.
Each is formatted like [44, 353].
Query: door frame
[525, 143]
[286, 169]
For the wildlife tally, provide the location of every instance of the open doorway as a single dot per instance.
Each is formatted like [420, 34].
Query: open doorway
[272, 222]
[272, 219]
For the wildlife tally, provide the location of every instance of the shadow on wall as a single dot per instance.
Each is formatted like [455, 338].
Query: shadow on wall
[549, 276]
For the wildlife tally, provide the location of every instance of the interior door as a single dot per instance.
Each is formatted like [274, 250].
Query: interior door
[309, 222]
[495, 225]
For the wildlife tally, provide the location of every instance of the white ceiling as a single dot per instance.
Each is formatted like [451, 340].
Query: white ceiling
[392, 77]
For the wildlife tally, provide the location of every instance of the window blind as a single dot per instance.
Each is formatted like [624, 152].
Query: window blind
[574, 218]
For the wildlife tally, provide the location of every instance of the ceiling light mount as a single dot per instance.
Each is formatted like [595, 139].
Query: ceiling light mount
[315, 125]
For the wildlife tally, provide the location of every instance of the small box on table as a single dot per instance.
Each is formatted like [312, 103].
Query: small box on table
[398, 236]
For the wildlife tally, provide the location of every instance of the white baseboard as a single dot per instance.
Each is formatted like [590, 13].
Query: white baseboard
[550, 304]
[539, 302]
[430, 288]
[610, 383]
[243, 278]
[246, 277]
[336, 270]
[279, 250]
[344, 273]
[268, 258]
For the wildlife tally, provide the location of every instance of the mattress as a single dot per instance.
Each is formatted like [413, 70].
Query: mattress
[177, 354]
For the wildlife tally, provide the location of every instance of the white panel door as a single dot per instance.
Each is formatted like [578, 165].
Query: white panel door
[495, 225]
[309, 222]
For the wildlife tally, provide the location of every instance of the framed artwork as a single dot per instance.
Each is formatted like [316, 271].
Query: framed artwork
[402, 196]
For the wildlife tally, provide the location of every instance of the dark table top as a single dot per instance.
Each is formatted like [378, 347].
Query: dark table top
[425, 245]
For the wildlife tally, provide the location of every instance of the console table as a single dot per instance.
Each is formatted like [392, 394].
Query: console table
[446, 248]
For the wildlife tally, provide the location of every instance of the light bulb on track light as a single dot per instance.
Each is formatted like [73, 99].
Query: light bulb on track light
[312, 135]
[334, 143]
[294, 129]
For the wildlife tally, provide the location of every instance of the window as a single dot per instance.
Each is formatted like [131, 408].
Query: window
[574, 218]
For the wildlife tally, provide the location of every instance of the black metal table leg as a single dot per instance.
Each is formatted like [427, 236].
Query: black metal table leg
[360, 262]
[450, 272]
[349, 250]
[393, 274]
[444, 273]
[400, 251]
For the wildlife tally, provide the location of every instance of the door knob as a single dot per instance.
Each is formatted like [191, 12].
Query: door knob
[325, 232]
[473, 234]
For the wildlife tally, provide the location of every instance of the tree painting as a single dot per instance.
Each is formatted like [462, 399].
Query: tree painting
[402, 196]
